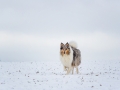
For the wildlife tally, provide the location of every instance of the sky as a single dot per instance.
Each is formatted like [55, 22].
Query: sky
[33, 30]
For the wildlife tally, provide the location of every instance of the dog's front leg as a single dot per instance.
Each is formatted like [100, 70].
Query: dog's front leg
[65, 68]
[68, 71]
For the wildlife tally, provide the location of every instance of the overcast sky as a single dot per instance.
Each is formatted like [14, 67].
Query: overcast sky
[32, 30]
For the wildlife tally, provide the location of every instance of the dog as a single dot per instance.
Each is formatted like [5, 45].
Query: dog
[70, 56]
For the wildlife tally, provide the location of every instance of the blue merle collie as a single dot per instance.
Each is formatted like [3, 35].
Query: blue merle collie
[70, 56]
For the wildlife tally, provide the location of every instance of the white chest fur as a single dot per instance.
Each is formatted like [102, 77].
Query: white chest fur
[67, 59]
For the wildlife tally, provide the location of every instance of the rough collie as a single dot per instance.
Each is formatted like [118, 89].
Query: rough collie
[70, 56]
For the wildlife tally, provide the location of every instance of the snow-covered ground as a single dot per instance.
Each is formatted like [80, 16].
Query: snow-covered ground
[93, 75]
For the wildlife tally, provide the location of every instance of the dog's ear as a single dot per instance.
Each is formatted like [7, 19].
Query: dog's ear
[67, 44]
[61, 44]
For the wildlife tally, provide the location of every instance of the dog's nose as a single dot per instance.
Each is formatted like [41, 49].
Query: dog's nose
[64, 52]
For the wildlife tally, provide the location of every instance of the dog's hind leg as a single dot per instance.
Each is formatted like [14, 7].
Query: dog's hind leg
[72, 70]
[77, 69]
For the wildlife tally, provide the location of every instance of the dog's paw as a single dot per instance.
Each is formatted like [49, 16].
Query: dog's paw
[65, 69]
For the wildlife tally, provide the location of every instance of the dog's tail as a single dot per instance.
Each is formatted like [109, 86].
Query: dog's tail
[73, 44]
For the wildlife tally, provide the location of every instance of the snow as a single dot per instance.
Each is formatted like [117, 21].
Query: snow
[93, 75]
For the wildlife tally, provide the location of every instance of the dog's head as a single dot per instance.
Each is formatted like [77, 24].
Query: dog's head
[64, 49]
